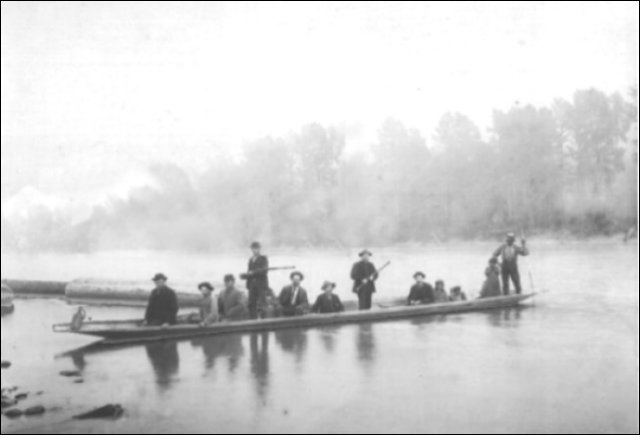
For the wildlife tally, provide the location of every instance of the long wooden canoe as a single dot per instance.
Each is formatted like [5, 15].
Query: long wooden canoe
[131, 331]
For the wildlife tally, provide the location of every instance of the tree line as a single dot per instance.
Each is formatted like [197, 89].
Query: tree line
[568, 169]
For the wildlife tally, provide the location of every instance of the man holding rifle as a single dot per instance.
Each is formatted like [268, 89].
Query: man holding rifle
[364, 275]
[257, 279]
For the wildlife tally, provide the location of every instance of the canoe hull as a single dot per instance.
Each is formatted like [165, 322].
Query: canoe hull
[130, 332]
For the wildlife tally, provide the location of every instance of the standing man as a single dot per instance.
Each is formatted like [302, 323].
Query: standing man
[510, 252]
[293, 298]
[257, 279]
[364, 276]
[162, 309]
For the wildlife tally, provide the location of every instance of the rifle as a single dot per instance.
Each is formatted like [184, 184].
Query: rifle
[267, 269]
[372, 276]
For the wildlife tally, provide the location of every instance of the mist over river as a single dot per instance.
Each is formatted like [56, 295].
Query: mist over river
[566, 363]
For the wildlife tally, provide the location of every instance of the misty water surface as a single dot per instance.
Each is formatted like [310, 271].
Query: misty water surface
[567, 363]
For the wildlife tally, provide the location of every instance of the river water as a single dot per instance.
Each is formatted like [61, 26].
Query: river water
[567, 363]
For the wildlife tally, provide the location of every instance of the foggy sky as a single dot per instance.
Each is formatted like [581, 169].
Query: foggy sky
[92, 93]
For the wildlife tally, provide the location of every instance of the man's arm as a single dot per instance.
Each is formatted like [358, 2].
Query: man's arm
[354, 272]
[524, 249]
[498, 252]
[149, 310]
[174, 307]
[304, 302]
[338, 303]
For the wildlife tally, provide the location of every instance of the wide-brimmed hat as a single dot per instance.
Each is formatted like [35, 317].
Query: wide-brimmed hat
[365, 252]
[327, 284]
[417, 274]
[256, 245]
[206, 285]
[229, 278]
[159, 277]
[298, 274]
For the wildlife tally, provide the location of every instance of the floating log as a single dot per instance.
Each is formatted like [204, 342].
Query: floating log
[7, 295]
[127, 293]
[7, 302]
[36, 288]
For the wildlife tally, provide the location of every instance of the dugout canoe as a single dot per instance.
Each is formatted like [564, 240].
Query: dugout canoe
[131, 332]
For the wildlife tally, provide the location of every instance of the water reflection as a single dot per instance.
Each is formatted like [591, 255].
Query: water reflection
[229, 347]
[260, 363]
[165, 362]
[328, 337]
[366, 344]
[506, 318]
[293, 341]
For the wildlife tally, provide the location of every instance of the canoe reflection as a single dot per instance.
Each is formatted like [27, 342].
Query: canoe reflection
[293, 341]
[507, 318]
[165, 362]
[225, 347]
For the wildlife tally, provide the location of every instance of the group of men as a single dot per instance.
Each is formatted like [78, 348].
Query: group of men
[232, 304]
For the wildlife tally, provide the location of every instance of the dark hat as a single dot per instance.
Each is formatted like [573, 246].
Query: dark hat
[298, 274]
[159, 277]
[329, 284]
[493, 260]
[229, 278]
[456, 289]
[417, 274]
[206, 285]
[256, 245]
[365, 252]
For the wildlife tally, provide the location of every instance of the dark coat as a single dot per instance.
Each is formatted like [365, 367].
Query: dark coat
[491, 287]
[326, 304]
[364, 270]
[258, 278]
[291, 307]
[232, 305]
[421, 293]
[162, 307]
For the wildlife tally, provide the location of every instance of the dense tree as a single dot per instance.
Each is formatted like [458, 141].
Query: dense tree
[570, 167]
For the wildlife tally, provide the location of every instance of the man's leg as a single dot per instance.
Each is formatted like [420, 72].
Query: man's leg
[515, 276]
[505, 280]
[366, 299]
[361, 300]
[253, 303]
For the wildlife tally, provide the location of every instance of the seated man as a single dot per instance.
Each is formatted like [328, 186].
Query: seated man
[162, 309]
[440, 293]
[293, 298]
[457, 295]
[209, 311]
[328, 302]
[270, 307]
[232, 303]
[421, 292]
